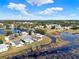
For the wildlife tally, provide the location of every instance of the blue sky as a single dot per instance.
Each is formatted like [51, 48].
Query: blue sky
[39, 9]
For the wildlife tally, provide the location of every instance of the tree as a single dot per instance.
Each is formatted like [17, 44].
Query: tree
[1, 26]
[1, 42]
[41, 31]
[30, 32]
[74, 27]
[8, 22]
[8, 33]
[53, 27]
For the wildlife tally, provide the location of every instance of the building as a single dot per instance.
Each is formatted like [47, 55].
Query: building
[38, 27]
[3, 48]
[37, 37]
[58, 27]
[8, 38]
[24, 33]
[67, 28]
[17, 43]
[9, 26]
[27, 39]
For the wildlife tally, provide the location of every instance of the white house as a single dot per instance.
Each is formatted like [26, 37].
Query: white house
[38, 37]
[3, 48]
[67, 28]
[58, 27]
[39, 26]
[50, 25]
[7, 38]
[17, 43]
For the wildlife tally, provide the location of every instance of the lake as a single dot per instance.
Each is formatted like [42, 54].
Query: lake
[2, 31]
[69, 36]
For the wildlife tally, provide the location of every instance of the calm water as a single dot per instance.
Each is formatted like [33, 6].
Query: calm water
[2, 31]
[13, 31]
[69, 36]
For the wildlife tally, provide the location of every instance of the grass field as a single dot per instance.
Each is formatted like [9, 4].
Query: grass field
[54, 31]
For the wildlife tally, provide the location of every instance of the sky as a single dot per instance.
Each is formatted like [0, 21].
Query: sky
[39, 9]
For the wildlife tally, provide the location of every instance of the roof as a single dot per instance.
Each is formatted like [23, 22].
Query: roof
[2, 46]
[27, 38]
[17, 42]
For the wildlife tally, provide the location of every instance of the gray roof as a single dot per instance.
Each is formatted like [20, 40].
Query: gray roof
[17, 42]
[2, 46]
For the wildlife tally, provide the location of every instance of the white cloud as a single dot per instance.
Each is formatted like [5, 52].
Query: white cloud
[50, 11]
[40, 2]
[19, 7]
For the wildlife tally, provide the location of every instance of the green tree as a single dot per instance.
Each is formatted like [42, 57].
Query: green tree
[1, 42]
[41, 31]
[30, 32]
[8, 33]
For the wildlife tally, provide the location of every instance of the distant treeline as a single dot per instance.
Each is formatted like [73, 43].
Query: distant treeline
[61, 22]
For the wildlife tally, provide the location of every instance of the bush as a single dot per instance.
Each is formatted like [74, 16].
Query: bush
[30, 32]
[1, 42]
[74, 28]
[53, 27]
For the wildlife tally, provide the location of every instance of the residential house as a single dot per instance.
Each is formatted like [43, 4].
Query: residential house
[24, 33]
[27, 39]
[67, 27]
[38, 37]
[9, 26]
[38, 27]
[7, 38]
[50, 25]
[58, 27]
[17, 43]
[3, 48]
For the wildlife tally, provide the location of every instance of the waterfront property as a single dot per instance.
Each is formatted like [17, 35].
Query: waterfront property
[27, 39]
[17, 43]
[24, 33]
[38, 37]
